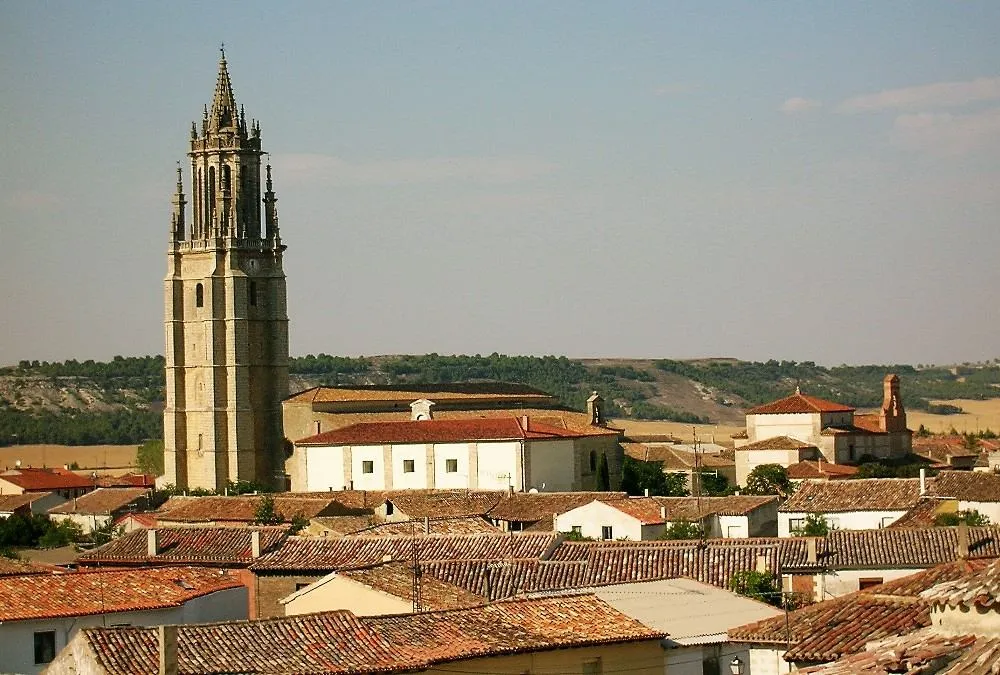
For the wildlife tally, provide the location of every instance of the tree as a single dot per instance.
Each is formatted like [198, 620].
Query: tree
[768, 479]
[61, 534]
[149, 457]
[714, 484]
[639, 476]
[682, 529]
[972, 518]
[603, 474]
[299, 523]
[266, 514]
[815, 525]
[757, 585]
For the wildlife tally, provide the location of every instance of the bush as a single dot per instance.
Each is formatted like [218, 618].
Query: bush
[266, 514]
[757, 585]
[61, 534]
[972, 518]
[682, 529]
[815, 526]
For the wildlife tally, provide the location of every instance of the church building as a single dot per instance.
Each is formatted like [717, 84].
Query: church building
[225, 310]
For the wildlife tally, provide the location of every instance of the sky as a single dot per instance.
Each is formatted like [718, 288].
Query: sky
[791, 180]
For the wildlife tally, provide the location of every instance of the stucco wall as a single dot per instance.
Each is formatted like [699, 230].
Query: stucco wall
[841, 582]
[765, 660]
[846, 520]
[551, 463]
[593, 517]
[988, 509]
[343, 593]
[966, 620]
[803, 426]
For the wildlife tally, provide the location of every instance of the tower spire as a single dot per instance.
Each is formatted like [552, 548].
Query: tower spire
[177, 219]
[224, 112]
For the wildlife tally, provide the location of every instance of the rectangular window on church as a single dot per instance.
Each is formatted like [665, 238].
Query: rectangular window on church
[368, 466]
[451, 465]
[408, 466]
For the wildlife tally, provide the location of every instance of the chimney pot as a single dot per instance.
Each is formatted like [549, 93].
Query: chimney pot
[152, 542]
[255, 544]
[168, 649]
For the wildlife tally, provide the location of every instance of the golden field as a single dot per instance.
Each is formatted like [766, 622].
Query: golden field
[100, 458]
[978, 416]
[707, 433]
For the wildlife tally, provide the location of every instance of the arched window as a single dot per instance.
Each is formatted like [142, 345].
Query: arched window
[253, 293]
[199, 296]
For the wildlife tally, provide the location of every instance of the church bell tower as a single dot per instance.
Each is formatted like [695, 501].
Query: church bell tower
[225, 311]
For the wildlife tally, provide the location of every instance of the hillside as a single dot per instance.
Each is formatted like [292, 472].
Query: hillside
[120, 401]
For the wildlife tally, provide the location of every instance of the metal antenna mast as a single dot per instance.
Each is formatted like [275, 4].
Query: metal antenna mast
[415, 563]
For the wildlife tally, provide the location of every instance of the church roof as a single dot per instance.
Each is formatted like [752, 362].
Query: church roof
[223, 112]
[799, 403]
[440, 431]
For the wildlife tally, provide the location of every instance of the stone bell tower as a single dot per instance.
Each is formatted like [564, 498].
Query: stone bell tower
[224, 310]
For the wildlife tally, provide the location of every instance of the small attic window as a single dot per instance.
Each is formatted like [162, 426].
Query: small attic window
[199, 296]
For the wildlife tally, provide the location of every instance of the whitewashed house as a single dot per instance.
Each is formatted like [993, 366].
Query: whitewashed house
[28, 503]
[40, 613]
[635, 519]
[973, 491]
[474, 454]
[864, 504]
[101, 507]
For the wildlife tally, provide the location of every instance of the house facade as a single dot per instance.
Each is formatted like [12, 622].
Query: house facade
[481, 454]
[864, 504]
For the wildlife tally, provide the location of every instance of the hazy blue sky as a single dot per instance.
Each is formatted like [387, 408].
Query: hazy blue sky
[802, 180]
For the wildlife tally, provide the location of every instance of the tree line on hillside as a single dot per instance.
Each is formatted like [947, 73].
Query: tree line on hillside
[116, 427]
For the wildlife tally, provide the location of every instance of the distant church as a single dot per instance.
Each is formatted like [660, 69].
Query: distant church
[225, 312]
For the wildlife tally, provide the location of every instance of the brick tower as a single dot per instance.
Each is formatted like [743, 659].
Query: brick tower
[225, 310]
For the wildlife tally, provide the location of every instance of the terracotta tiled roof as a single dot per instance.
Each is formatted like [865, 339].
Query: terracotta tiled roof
[127, 480]
[11, 503]
[831, 629]
[975, 589]
[799, 403]
[922, 652]
[921, 515]
[243, 508]
[619, 562]
[446, 525]
[869, 494]
[438, 504]
[967, 486]
[474, 391]
[366, 501]
[317, 554]
[776, 443]
[527, 507]
[672, 458]
[46, 596]
[344, 525]
[45, 479]
[397, 579]
[442, 431]
[869, 422]
[847, 429]
[339, 642]
[103, 501]
[496, 580]
[11, 566]
[644, 509]
[687, 508]
[187, 545]
[820, 469]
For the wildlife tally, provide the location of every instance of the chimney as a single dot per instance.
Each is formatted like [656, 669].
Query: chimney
[962, 547]
[427, 525]
[318, 430]
[255, 544]
[646, 492]
[811, 557]
[762, 564]
[663, 512]
[168, 650]
[421, 410]
[152, 543]
[923, 482]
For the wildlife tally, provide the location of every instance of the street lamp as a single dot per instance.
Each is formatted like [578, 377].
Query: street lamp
[736, 666]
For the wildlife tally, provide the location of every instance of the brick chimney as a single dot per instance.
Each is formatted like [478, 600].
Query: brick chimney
[152, 543]
[892, 416]
[167, 638]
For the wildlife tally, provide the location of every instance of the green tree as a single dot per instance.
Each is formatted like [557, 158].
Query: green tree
[61, 534]
[299, 523]
[682, 529]
[815, 525]
[757, 585]
[714, 484]
[603, 474]
[639, 476]
[972, 518]
[768, 479]
[266, 514]
[149, 457]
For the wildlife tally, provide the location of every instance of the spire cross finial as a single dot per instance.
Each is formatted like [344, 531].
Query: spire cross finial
[222, 50]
